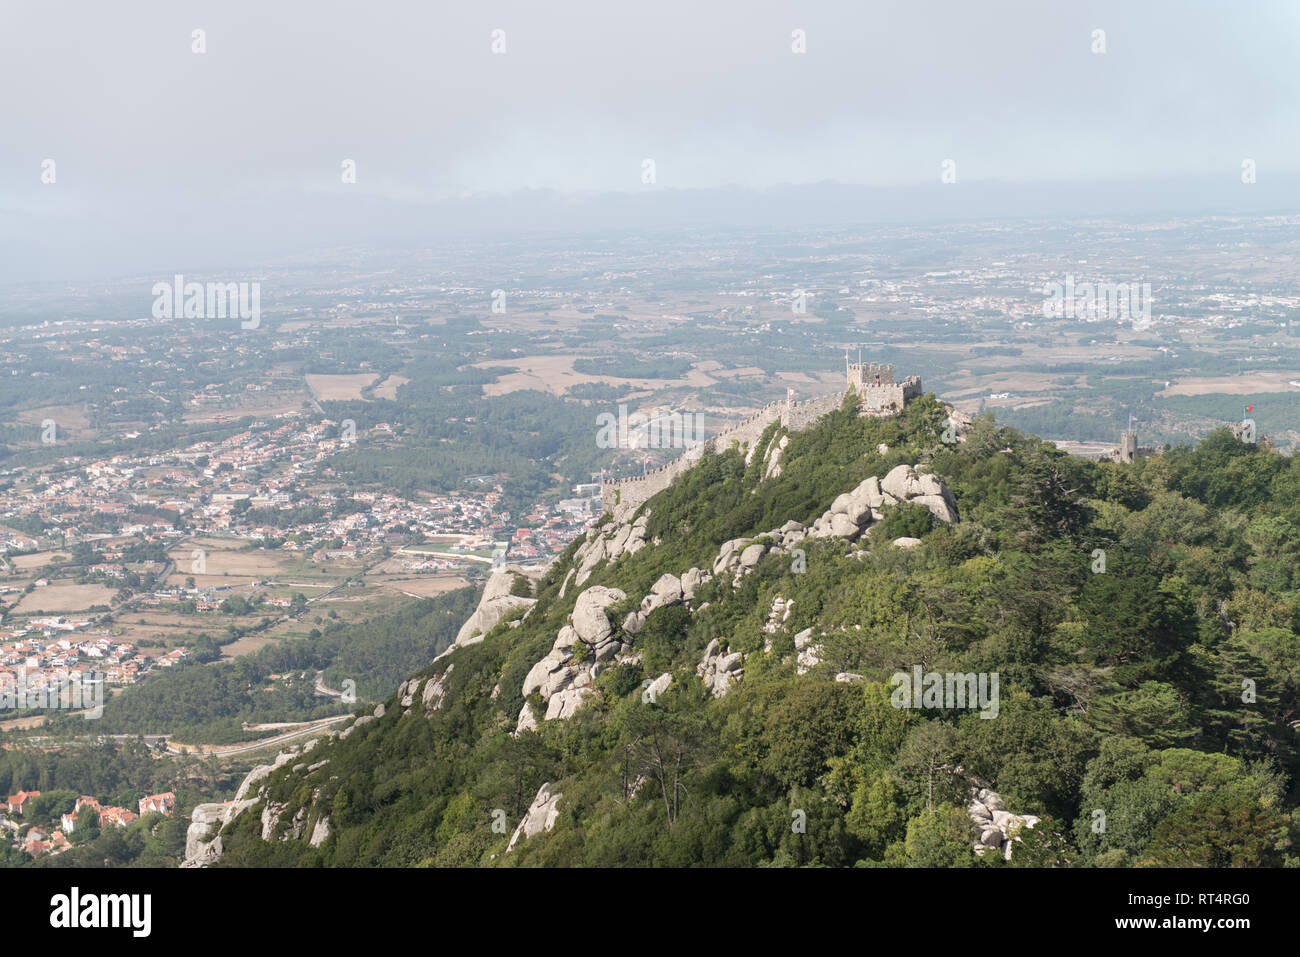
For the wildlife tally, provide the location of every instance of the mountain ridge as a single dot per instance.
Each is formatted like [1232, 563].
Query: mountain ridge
[720, 653]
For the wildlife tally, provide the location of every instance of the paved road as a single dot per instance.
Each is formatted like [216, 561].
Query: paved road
[269, 742]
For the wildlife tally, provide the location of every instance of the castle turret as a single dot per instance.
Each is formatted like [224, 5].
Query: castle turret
[864, 375]
[1128, 445]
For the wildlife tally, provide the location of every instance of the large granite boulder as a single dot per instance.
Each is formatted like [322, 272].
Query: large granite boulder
[901, 483]
[692, 579]
[589, 619]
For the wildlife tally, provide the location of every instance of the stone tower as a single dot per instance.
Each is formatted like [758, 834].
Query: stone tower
[1128, 445]
[876, 388]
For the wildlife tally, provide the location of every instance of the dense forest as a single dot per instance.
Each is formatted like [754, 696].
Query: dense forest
[1142, 619]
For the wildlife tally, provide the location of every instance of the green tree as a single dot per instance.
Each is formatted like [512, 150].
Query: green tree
[1218, 829]
[940, 837]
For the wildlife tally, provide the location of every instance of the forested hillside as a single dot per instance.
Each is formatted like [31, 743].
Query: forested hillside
[211, 702]
[1141, 619]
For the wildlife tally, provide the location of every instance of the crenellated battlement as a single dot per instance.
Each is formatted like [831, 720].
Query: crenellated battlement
[877, 388]
[862, 374]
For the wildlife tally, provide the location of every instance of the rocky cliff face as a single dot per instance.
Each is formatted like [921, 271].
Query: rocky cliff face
[496, 603]
[203, 844]
[541, 816]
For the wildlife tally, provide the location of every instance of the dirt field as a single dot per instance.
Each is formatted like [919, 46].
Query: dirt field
[337, 388]
[71, 418]
[57, 598]
[1236, 385]
[225, 567]
[421, 586]
[24, 724]
[174, 631]
[26, 563]
[247, 645]
[972, 406]
[976, 385]
[388, 388]
[555, 374]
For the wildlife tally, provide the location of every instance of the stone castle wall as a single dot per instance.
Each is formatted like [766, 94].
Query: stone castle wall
[794, 416]
[889, 396]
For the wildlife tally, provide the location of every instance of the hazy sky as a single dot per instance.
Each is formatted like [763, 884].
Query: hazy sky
[161, 151]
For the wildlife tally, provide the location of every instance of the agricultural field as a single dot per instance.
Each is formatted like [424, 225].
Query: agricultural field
[338, 388]
[61, 597]
[388, 388]
[213, 562]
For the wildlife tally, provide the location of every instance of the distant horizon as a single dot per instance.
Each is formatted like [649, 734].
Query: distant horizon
[291, 227]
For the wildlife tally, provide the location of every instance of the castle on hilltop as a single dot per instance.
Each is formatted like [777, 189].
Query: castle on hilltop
[876, 388]
[873, 383]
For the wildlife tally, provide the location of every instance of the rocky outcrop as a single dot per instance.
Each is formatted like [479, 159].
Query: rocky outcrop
[362, 721]
[904, 484]
[526, 721]
[589, 619]
[564, 586]
[720, 670]
[738, 557]
[201, 849]
[553, 671]
[435, 691]
[807, 652]
[849, 516]
[692, 580]
[666, 591]
[609, 542]
[202, 838]
[563, 678]
[957, 426]
[565, 704]
[540, 816]
[998, 828]
[657, 687]
[259, 773]
[852, 513]
[728, 555]
[271, 812]
[774, 452]
[496, 603]
[778, 615]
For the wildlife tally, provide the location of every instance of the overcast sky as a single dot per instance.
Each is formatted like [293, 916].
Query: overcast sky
[160, 150]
